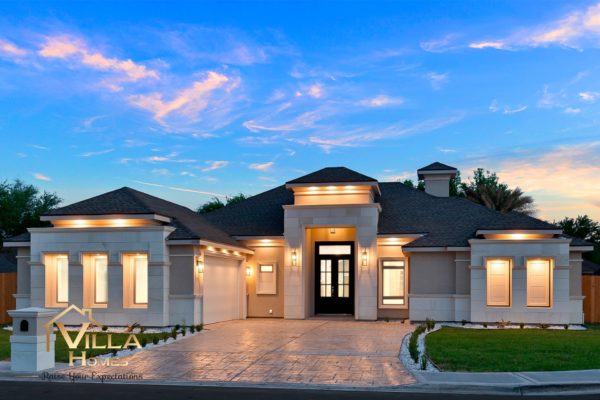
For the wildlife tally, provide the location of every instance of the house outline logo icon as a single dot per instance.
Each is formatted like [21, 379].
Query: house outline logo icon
[72, 344]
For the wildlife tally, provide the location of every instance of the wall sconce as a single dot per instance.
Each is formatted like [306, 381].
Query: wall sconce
[248, 270]
[332, 231]
[365, 258]
[199, 265]
[294, 258]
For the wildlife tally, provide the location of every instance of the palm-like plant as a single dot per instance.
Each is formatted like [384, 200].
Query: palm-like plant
[487, 191]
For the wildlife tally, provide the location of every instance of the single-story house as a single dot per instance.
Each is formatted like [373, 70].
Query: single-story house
[331, 242]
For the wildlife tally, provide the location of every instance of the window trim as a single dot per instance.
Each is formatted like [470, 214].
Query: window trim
[56, 291]
[87, 260]
[127, 260]
[550, 281]
[260, 290]
[510, 279]
[95, 272]
[380, 283]
[50, 281]
[134, 280]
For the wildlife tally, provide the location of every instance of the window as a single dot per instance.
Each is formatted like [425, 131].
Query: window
[101, 279]
[498, 282]
[393, 283]
[539, 282]
[135, 280]
[266, 280]
[335, 249]
[62, 279]
[56, 268]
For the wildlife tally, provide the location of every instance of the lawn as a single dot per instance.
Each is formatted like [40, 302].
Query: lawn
[62, 351]
[500, 350]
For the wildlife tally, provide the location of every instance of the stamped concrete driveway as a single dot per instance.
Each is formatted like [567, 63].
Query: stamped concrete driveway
[281, 351]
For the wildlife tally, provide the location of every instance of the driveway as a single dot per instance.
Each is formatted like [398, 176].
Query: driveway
[279, 351]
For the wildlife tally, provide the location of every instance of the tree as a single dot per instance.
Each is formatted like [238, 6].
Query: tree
[215, 203]
[585, 228]
[21, 206]
[486, 189]
[420, 184]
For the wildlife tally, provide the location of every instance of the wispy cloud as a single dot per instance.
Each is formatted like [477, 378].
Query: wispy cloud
[187, 102]
[571, 110]
[262, 167]
[38, 146]
[577, 29]
[168, 158]
[437, 80]
[96, 153]
[589, 97]
[41, 177]
[76, 49]
[212, 165]
[441, 45]
[381, 101]
[11, 50]
[495, 107]
[315, 91]
[181, 189]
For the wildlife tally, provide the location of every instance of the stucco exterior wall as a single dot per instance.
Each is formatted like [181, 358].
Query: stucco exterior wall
[439, 286]
[114, 242]
[260, 304]
[563, 309]
[297, 280]
[23, 295]
[185, 304]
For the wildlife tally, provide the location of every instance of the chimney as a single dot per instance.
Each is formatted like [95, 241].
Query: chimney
[437, 178]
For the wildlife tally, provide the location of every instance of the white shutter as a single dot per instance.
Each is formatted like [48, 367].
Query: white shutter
[498, 282]
[538, 283]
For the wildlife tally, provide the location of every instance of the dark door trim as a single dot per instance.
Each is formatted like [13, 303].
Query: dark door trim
[334, 304]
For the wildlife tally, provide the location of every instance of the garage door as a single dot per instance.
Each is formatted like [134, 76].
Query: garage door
[221, 289]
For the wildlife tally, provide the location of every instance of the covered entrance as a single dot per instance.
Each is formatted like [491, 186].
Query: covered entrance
[334, 278]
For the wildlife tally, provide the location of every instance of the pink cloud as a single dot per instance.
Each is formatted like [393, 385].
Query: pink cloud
[11, 49]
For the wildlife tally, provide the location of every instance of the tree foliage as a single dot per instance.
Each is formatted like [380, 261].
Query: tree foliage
[485, 189]
[585, 228]
[215, 203]
[21, 205]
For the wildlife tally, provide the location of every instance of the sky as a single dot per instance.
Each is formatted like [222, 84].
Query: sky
[188, 101]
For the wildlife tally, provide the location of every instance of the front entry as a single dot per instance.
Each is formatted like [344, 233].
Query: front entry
[334, 278]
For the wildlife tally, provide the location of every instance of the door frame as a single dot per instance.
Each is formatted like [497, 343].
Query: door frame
[317, 261]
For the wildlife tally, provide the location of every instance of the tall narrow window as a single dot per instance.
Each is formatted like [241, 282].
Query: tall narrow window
[140, 270]
[393, 283]
[62, 279]
[498, 282]
[100, 279]
[539, 282]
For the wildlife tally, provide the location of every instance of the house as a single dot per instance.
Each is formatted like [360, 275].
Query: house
[331, 242]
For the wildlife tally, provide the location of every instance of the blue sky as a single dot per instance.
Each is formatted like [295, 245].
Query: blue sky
[190, 100]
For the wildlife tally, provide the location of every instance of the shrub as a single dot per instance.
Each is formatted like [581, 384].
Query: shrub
[155, 339]
[142, 329]
[502, 323]
[522, 325]
[566, 326]
[199, 327]
[192, 329]
[165, 337]
[429, 324]
[544, 326]
[413, 347]
[386, 319]
[104, 328]
[144, 342]
[174, 333]
[177, 326]
[463, 322]
[131, 327]
[114, 352]
[485, 324]
[423, 362]
[183, 331]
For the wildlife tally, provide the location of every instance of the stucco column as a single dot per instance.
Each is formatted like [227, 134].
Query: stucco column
[293, 300]
[366, 276]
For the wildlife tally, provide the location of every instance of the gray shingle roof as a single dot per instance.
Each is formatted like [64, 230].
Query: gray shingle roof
[188, 224]
[23, 237]
[590, 268]
[333, 174]
[437, 166]
[259, 215]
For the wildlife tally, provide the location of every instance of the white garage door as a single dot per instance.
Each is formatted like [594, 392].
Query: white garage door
[222, 289]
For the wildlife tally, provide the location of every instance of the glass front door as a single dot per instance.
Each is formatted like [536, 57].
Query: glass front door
[334, 278]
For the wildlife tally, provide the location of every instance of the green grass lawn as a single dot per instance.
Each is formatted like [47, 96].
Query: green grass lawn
[62, 351]
[500, 350]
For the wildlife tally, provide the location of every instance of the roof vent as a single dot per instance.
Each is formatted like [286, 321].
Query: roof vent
[437, 178]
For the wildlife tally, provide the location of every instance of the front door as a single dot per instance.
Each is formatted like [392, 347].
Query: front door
[334, 278]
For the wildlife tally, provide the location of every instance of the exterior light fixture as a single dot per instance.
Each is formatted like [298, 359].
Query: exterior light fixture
[199, 265]
[294, 258]
[365, 258]
[248, 270]
[332, 231]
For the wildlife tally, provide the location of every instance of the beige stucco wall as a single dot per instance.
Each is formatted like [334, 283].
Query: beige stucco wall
[433, 273]
[575, 260]
[23, 278]
[260, 304]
